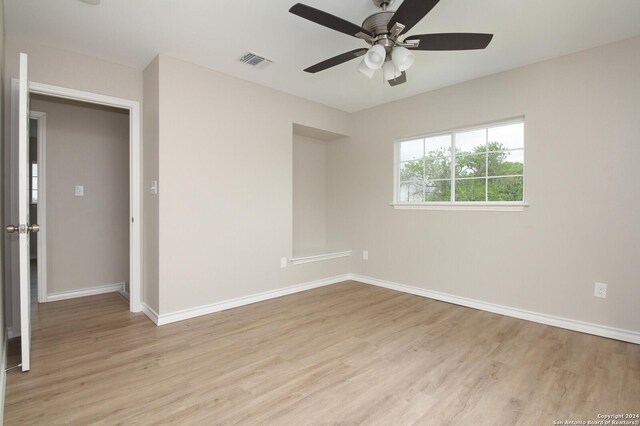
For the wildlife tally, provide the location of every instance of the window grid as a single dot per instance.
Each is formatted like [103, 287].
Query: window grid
[454, 166]
[454, 162]
[34, 183]
[486, 164]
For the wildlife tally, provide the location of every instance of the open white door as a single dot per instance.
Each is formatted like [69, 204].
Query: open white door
[24, 228]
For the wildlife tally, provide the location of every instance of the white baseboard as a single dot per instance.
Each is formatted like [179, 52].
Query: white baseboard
[109, 288]
[570, 324]
[148, 311]
[561, 322]
[163, 319]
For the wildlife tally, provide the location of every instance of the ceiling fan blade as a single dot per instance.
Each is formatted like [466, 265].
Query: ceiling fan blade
[411, 12]
[399, 80]
[330, 21]
[450, 41]
[336, 60]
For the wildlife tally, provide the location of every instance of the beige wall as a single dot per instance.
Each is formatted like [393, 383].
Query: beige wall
[72, 70]
[582, 141]
[339, 189]
[309, 195]
[151, 120]
[87, 237]
[226, 186]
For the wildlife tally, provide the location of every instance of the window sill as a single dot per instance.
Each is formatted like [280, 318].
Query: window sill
[320, 257]
[487, 207]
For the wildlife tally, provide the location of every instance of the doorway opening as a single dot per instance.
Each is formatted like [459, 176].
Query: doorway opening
[79, 193]
[130, 110]
[37, 135]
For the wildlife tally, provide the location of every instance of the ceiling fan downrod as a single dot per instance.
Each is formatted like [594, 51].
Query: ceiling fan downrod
[383, 4]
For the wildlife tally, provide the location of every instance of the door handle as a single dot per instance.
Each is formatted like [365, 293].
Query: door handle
[22, 229]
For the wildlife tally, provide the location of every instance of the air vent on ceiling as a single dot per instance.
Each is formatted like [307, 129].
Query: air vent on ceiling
[256, 60]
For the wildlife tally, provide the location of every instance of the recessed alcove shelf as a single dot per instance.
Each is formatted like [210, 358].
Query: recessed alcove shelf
[302, 258]
[317, 231]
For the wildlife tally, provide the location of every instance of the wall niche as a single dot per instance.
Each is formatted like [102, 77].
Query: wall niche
[316, 235]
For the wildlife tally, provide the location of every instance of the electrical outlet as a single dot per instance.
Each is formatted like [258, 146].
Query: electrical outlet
[283, 262]
[365, 254]
[79, 191]
[600, 290]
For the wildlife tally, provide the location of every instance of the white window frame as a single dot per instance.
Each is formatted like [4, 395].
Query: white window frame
[459, 205]
[33, 201]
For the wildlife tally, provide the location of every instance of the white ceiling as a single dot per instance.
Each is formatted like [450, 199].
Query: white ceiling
[216, 33]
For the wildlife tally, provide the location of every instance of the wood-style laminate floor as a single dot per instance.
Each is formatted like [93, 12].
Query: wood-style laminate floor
[343, 354]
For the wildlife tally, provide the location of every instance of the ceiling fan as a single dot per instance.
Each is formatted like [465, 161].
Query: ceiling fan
[385, 31]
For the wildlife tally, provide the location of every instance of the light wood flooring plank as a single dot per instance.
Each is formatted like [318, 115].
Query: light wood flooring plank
[343, 354]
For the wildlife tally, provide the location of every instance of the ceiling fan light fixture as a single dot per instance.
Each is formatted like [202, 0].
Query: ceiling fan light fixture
[375, 57]
[364, 69]
[386, 33]
[390, 71]
[402, 58]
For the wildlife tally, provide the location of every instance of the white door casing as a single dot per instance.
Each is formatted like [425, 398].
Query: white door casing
[135, 175]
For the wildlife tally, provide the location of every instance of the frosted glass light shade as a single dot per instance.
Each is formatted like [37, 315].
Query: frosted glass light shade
[390, 71]
[364, 69]
[375, 57]
[402, 58]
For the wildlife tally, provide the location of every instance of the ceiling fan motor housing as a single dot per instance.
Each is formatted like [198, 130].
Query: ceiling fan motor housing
[377, 25]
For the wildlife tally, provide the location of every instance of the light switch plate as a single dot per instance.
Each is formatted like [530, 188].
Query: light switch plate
[154, 187]
[283, 262]
[79, 191]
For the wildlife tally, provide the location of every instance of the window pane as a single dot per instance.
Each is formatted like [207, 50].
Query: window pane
[506, 189]
[438, 143]
[412, 150]
[411, 192]
[474, 141]
[474, 165]
[438, 191]
[470, 189]
[34, 197]
[34, 169]
[437, 164]
[506, 163]
[411, 171]
[510, 136]
[403, 195]
[34, 183]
